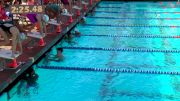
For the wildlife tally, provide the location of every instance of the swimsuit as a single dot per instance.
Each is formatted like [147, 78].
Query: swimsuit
[32, 18]
[6, 28]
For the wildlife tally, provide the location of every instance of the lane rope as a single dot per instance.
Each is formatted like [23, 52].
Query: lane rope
[137, 7]
[145, 26]
[99, 17]
[141, 12]
[124, 49]
[136, 36]
[94, 69]
[124, 3]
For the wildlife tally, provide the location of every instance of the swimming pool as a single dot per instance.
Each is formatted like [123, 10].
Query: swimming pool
[64, 85]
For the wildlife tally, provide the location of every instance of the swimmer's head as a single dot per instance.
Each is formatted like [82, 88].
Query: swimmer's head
[45, 18]
[65, 11]
[84, 18]
[60, 49]
[8, 14]
[70, 36]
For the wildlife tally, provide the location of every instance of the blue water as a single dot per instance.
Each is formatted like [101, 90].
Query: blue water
[139, 9]
[134, 22]
[60, 85]
[147, 15]
[129, 30]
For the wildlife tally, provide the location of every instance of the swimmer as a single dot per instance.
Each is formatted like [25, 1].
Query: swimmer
[58, 57]
[83, 20]
[33, 77]
[30, 80]
[53, 11]
[69, 39]
[77, 33]
[36, 19]
[9, 31]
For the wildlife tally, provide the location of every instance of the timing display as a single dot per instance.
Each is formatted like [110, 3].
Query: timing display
[22, 9]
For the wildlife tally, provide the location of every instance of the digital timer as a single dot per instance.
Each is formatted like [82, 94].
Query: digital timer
[21, 9]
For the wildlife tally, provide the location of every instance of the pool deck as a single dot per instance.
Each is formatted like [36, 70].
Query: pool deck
[8, 76]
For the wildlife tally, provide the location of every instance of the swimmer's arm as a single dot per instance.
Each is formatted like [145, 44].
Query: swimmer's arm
[56, 59]
[50, 56]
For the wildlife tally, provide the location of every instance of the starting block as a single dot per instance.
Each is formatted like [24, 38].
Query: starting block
[7, 54]
[37, 35]
[70, 17]
[66, 14]
[76, 7]
[54, 22]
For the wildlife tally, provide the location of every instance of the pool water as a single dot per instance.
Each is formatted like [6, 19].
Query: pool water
[64, 85]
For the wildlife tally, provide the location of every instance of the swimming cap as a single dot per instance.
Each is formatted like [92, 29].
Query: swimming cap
[8, 14]
[65, 11]
[45, 18]
[23, 36]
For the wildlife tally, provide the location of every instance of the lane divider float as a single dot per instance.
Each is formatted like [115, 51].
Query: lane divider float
[145, 26]
[100, 17]
[144, 12]
[94, 69]
[136, 36]
[124, 49]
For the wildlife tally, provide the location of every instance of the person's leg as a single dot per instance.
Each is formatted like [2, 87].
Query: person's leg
[4, 35]
[16, 40]
[15, 34]
[39, 20]
[19, 42]
[44, 27]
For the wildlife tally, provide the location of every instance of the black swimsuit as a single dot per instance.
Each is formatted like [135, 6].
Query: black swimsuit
[5, 28]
